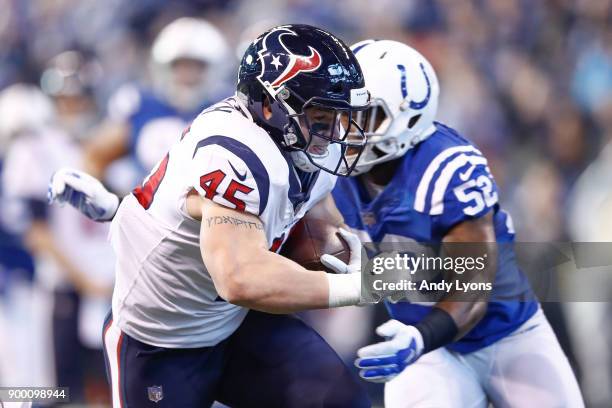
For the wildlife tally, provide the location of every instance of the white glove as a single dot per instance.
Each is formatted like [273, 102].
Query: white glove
[345, 284]
[382, 361]
[84, 193]
[354, 265]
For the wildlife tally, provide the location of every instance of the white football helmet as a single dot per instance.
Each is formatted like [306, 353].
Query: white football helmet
[404, 91]
[187, 39]
[23, 108]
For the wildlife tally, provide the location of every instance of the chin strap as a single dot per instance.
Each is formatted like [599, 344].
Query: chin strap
[300, 160]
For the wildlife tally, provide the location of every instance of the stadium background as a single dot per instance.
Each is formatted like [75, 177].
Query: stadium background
[529, 81]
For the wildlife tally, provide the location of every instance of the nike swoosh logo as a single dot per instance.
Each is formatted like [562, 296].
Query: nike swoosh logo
[466, 174]
[241, 177]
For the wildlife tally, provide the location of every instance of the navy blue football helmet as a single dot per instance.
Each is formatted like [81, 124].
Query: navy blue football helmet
[303, 86]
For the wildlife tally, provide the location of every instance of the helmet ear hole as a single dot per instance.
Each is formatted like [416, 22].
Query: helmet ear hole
[377, 151]
[266, 108]
[413, 120]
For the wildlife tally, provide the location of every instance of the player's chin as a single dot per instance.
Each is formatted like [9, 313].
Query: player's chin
[319, 150]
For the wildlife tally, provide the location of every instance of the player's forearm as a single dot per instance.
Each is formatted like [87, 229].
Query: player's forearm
[108, 143]
[94, 162]
[467, 308]
[470, 240]
[235, 252]
[275, 284]
[465, 314]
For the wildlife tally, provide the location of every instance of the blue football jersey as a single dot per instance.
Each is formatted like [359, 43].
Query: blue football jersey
[154, 124]
[441, 182]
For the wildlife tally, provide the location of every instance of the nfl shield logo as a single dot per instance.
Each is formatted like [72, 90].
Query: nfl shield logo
[156, 393]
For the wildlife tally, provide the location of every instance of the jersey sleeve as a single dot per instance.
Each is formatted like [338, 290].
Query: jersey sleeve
[229, 173]
[464, 190]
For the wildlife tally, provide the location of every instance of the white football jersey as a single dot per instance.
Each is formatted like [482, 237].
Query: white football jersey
[164, 295]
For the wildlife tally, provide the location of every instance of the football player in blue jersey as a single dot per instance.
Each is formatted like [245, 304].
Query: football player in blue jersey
[419, 180]
[143, 122]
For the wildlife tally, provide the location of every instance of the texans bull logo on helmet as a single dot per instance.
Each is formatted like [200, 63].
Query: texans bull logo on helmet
[279, 64]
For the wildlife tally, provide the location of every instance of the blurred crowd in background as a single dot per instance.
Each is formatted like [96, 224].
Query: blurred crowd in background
[530, 82]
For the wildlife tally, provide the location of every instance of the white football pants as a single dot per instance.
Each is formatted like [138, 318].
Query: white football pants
[525, 369]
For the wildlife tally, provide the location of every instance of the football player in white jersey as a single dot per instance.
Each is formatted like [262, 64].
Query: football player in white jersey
[420, 181]
[196, 242]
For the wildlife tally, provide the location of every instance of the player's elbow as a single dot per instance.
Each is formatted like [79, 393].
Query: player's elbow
[477, 312]
[235, 287]
[234, 291]
[467, 315]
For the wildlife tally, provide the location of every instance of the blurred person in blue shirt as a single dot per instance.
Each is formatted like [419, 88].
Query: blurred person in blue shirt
[186, 64]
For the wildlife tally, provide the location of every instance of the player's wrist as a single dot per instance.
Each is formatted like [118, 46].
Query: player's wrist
[111, 206]
[437, 329]
[344, 289]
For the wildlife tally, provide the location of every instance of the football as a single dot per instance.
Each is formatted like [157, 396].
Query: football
[312, 237]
